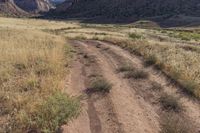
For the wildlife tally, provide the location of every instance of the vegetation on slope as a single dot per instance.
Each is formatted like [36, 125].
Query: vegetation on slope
[116, 9]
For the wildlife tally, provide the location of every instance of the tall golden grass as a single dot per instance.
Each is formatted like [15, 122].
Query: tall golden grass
[32, 70]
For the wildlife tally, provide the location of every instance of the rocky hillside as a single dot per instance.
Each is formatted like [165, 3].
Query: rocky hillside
[8, 8]
[24, 7]
[131, 9]
[34, 6]
[62, 7]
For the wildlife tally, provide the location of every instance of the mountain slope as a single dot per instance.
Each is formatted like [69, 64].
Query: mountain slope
[132, 9]
[34, 6]
[8, 7]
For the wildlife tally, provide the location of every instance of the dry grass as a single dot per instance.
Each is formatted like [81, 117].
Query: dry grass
[181, 65]
[25, 23]
[32, 70]
[174, 123]
[136, 74]
[100, 85]
[126, 68]
[170, 103]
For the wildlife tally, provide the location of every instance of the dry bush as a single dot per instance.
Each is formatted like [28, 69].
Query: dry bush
[170, 103]
[100, 85]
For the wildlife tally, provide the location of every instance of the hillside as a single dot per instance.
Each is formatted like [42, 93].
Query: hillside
[34, 5]
[8, 7]
[129, 10]
[19, 8]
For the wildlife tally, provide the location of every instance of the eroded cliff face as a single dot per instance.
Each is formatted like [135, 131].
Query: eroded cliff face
[9, 8]
[34, 6]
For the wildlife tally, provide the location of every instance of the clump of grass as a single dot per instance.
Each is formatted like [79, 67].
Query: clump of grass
[81, 37]
[137, 74]
[98, 45]
[85, 56]
[191, 48]
[95, 38]
[156, 86]
[173, 123]
[190, 87]
[160, 66]
[106, 48]
[170, 103]
[125, 68]
[163, 31]
[135, 36]
[57, 110]
[150, 60]
[100, 85]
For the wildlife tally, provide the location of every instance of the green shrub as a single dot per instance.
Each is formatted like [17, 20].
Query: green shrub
[135, 36]
[58, 109]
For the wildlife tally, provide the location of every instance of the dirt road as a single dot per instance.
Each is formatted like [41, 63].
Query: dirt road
[131, 106]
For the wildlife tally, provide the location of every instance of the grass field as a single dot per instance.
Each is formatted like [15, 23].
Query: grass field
[34, 60]
[33, 67]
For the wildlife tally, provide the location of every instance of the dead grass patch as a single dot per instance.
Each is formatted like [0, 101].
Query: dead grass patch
[126, 68]
[170, 103]
[174, 123]
[156, 86]
[100, 85]
[137, 74]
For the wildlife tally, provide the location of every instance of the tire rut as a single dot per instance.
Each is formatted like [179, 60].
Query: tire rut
[191, 106]
[97, 114]
[101, 102]
[131, 114]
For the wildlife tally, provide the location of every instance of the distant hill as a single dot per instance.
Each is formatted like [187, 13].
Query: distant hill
[128, 10]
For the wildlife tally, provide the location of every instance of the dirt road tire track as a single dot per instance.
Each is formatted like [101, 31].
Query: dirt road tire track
[129, 112]
[97, 111]
[191, 106]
